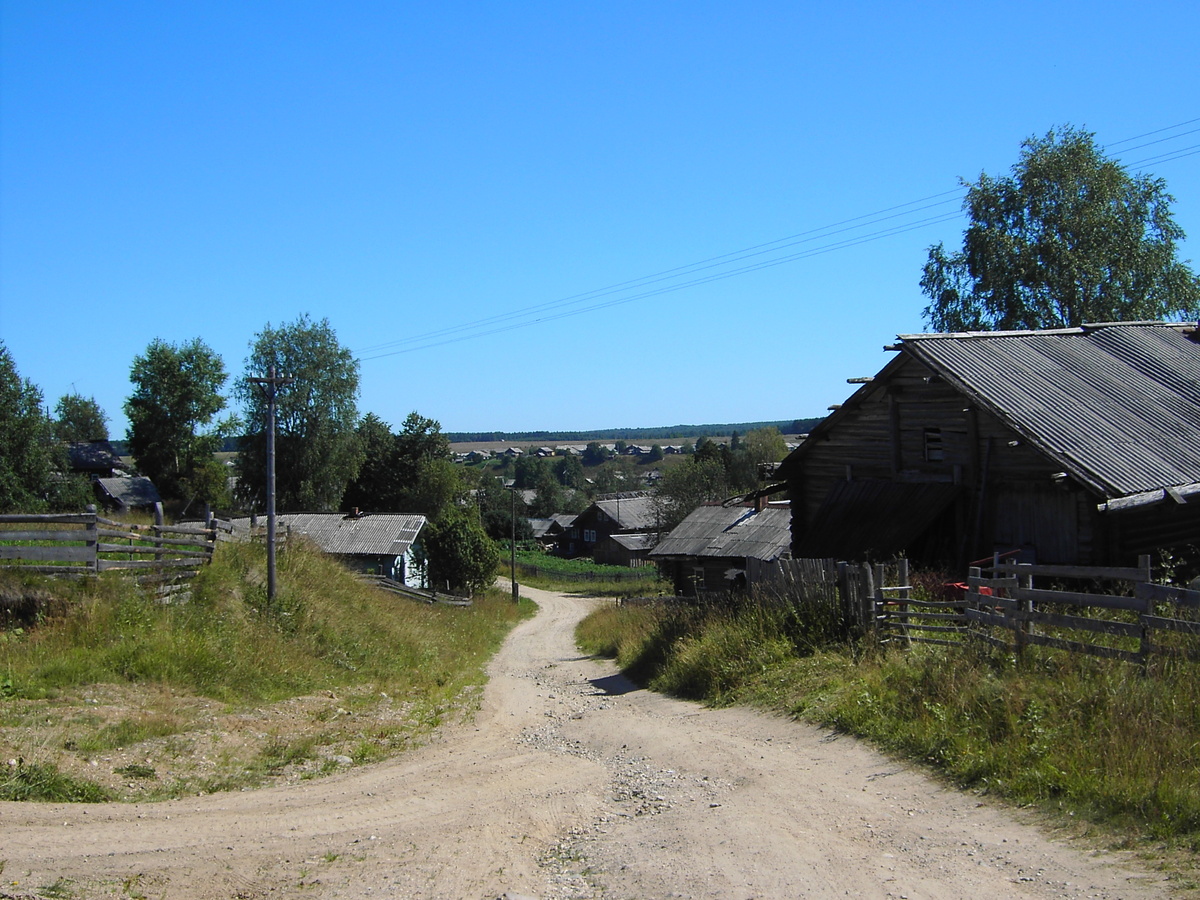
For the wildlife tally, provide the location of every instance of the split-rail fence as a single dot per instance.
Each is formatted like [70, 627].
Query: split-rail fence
[83, 544]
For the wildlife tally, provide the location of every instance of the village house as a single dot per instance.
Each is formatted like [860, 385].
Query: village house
[1069, 446]
[622, 513]
[371, 543]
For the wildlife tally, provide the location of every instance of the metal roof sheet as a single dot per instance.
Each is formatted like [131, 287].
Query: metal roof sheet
[374, 534]
[1118, 405]
[632, 512]
[738, 532]
[635, 542]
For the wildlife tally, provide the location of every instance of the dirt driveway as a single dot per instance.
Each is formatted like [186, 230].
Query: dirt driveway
[570, 783]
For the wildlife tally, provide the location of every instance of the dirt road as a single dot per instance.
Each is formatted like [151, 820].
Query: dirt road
[569, 783]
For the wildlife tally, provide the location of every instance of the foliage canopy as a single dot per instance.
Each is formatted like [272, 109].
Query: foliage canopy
[1069, 237]
[30, 458]
[79, 418]
[317, 449]
[172, 435]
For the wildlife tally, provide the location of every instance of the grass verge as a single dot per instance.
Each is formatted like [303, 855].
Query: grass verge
[143, 700]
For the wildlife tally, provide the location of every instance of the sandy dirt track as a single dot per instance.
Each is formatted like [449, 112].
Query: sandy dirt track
[570, 783]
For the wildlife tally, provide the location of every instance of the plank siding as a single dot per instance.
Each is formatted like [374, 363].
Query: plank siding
[882, 434]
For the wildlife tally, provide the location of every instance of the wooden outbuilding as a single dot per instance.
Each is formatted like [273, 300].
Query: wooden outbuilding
[723, 548]
[1071, 446]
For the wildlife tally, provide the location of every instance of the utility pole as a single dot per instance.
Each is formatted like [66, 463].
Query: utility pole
[269, 386]
[512, 546]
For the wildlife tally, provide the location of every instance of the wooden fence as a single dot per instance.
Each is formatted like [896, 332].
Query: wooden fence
[1006, 610]
[1111, 612]
[82, 544]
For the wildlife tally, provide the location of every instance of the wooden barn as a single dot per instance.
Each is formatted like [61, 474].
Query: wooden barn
[722, 548]
[1072, 446]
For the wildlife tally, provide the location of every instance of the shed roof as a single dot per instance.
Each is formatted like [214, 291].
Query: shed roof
[739, 532]
[1117, 405]
[634, 542]
[92, 456]
[374, 534]
[132, 492]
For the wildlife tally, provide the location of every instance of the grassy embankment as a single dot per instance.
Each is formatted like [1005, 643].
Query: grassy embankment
[228, 690]
[1095, 742]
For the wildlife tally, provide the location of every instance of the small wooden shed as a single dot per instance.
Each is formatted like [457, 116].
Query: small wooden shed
[722, 548]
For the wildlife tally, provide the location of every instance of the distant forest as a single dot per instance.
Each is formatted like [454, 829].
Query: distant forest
[791, 426]
[672, 432]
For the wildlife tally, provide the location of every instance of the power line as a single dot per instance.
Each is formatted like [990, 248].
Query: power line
[641, 288]
[707, 279]
[680, 271]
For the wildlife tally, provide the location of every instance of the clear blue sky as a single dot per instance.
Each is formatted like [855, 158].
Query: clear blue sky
[199, 169]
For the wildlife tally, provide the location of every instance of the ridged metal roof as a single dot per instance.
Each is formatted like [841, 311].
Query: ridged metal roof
[736, 532]
[633, 512]
[374, 534]
[1117, 405]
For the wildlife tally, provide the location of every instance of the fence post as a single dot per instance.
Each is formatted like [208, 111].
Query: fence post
[1145, 645]
[852, 609]
[902, 572]
[868, 600]
[880, 576]
[1025, 582]
[92, 537]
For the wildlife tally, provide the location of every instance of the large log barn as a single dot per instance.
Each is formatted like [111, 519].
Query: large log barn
[1071, 446]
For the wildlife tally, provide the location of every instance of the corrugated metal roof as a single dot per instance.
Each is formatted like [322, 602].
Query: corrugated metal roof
[736, 532]
[635, 542]
[374, 534]
[1118, 405]
[631, 513]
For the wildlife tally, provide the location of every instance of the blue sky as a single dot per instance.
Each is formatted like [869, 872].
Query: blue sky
[181, 170]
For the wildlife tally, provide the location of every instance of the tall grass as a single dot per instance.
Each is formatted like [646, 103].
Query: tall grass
[1097, 738]
[324, 631]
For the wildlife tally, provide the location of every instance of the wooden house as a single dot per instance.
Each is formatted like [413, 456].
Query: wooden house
[722, 548]
[371, 543]
[622, 513]
[1072, 446]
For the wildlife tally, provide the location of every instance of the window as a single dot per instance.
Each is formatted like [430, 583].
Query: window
[934, 451]
[589, 535]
